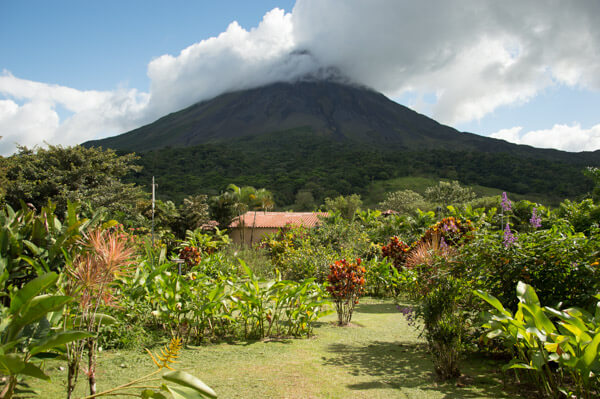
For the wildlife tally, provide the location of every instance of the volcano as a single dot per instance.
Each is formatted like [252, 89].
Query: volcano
[288, 136]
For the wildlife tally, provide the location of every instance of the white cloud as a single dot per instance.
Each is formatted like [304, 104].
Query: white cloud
[475, 55]
[236, 59]
[562, 137]
[95, 113]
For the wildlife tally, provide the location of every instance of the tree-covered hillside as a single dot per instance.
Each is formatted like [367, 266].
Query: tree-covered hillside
[301, 161]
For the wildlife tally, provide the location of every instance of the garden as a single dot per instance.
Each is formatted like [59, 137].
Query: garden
[470, 297]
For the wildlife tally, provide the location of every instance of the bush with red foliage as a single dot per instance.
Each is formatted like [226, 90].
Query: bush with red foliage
[396, 251]
[191, 256]
[346, 284]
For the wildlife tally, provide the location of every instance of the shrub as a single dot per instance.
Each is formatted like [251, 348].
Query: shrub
[382, 278]
[557, 262]
[403, 201]
[346, 284]
[449, 193]
[190, 256]
[444, 326]
[453, 230]
[396, 251]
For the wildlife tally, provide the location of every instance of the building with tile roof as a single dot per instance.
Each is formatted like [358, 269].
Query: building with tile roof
[252, 226]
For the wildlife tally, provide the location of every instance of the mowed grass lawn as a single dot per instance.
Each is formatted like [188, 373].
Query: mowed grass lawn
[379, 356]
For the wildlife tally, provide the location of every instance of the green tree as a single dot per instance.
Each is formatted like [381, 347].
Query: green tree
[304, 201]
[77, 174]
[166, 214]
[594, 173]
[346, 206]
[249, 198]
[446, 193]
[3, 179]
[193, 213]
[403, 201]
[223, 208]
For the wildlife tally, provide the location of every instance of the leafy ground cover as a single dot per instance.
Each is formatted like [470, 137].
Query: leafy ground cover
[378, 356]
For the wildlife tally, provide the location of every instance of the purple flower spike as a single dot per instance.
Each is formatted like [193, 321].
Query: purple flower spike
[536, 220]
[509, 237]
[506, 204]
[443, 244]
[409, 314]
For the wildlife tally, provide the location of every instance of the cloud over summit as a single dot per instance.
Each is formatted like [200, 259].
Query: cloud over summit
[470, 56]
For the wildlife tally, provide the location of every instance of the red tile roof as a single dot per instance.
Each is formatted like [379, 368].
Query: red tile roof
[279, 219]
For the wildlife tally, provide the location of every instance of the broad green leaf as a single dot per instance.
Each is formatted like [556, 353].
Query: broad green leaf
[34, 371]
[12, 363]
[39, 265]
[149, 393]
[31, 289]
[591, 352]
[37, 309]
[492, 300]
[551, 346]
[540, 334]
[542, 322]
[58, 339]
[537, 360]
[519, 366]
[580, 335]
[526, 294]
[99, 319]
[32, 247]
[188, 380]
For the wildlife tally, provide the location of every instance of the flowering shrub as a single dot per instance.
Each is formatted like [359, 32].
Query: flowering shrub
[396, 251]
[452, 230]
[506, 203]
[509, 238]
[557, 262]
[285, 239]
[424, 265]
[536, 220]
[347, 282]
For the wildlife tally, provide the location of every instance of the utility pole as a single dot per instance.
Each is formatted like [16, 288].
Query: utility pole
[153, 201]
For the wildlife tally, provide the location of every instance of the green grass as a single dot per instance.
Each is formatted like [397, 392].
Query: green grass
[379, 356]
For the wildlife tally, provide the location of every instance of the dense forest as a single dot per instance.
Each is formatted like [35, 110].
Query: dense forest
[287, 164]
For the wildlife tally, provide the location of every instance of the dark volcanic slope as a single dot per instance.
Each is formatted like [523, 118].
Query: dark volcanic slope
[341, 112]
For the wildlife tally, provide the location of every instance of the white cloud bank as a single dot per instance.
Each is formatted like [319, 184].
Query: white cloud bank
[474, 55]
[562, 137]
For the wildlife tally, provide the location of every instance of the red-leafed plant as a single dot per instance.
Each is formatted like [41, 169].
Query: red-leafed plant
[346, 284]
[396, 251]
[191, 256]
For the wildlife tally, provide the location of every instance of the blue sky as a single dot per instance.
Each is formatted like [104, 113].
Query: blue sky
[78, 70]
[99, 45]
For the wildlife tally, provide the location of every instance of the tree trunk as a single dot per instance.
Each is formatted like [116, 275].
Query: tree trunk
[9, 388]
[91, 347]
[72, 367]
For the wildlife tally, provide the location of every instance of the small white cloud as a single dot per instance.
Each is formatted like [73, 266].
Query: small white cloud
[560, 137]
